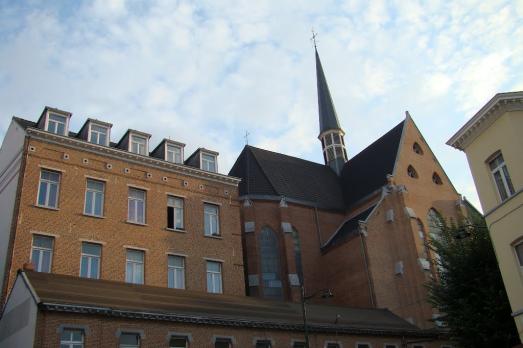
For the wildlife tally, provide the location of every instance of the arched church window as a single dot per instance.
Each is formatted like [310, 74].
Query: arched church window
[417, 149]
[270, 264]
[435, 231]
[412, 172]
[436, 179]
[297, 254]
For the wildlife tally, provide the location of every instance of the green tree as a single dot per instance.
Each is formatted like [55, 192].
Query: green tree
[470, 290]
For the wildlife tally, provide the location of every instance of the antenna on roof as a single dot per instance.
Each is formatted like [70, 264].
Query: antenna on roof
[313, 38]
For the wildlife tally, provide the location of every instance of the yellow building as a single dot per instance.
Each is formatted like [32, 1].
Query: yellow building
[493, 143]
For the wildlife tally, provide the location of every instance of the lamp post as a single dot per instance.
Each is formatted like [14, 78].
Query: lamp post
[325, 293]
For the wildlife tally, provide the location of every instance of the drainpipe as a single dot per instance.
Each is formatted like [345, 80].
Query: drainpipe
[362, 228]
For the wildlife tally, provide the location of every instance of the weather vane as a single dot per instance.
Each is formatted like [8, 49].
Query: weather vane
[313, 38]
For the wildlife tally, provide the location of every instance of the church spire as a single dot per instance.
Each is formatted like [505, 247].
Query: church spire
[331, 134]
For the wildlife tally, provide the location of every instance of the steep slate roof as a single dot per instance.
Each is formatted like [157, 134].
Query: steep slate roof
[117, 299]
[367, 171]
[348, 229]
[271, 173]
[326, 110]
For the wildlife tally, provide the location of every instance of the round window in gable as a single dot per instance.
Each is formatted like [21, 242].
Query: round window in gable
[417, 149]
[412, 172]
[436, 179]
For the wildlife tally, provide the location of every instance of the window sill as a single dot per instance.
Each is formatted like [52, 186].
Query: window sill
[44, 207]
[135, 223]
[93, 216]
[175, 230]
[219, 236]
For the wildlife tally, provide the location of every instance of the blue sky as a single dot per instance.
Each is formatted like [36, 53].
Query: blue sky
[204, 72]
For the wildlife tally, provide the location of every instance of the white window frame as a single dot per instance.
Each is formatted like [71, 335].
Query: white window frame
[70, 343]
[89, 257]
[174, 270]
[209, 232]
[214, 275]
[48, 183]
[92, 131]
[168, 151]
[176, 211]
[94, 192]
[47, 121]
[41, 250]
[332, 146]
[132, 137]
[206, 162]
[134, 202]
[131, 278]
[501, 169]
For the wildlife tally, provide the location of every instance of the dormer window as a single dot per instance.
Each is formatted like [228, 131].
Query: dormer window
[173, 153]
[99, 135]
[208, 162]
[138, 145]
[56, 123]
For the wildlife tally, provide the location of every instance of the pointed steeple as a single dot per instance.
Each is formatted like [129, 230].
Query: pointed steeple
[331, 134]
[327, 112]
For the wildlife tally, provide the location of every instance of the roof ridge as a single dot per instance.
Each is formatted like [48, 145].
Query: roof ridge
[293, 157]
[261, 168]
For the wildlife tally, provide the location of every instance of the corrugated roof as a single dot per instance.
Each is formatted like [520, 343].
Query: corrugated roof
[61, 291]
[367, 171]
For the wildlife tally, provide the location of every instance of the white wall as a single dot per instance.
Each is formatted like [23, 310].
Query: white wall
[10, 160]
[18, 322]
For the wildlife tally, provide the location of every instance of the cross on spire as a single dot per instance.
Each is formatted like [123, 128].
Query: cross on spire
[313, 38]
[246, 136]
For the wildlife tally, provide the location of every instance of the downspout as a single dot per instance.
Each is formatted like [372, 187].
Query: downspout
[318, 231]
[362, 228]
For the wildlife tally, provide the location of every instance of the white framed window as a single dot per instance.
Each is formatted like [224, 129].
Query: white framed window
[178, 342]
[42, 253]
[98, 134]
[173, 153]
[175, 212]
[48, 189]
[134, 266]
[333, 146]
[208, 162]
[136, 206]
[72, 338]
[518, 249]
[94, 197]
[214, 277]
[129, 340]
[90, 260]
[138, 144]
[211, 219]
[501, 177]
[176, 271]
[363, 345]
[56, 123]
[223, 343]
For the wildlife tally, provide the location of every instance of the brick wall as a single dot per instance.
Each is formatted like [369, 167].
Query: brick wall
[70, 226]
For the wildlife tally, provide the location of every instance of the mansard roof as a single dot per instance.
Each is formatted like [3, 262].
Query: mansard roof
[63, 293]
[367, 171]
[267, 173]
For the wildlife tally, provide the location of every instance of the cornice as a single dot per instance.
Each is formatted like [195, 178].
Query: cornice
[488, 114]
[236, 322]
[123, 155]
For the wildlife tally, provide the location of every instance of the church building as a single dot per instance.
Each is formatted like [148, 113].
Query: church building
[358, 227]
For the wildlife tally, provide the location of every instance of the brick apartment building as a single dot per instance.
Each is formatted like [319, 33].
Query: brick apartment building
[107, 244]
[358, 227]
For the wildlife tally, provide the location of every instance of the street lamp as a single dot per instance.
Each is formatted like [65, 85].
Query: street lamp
[325, 293]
